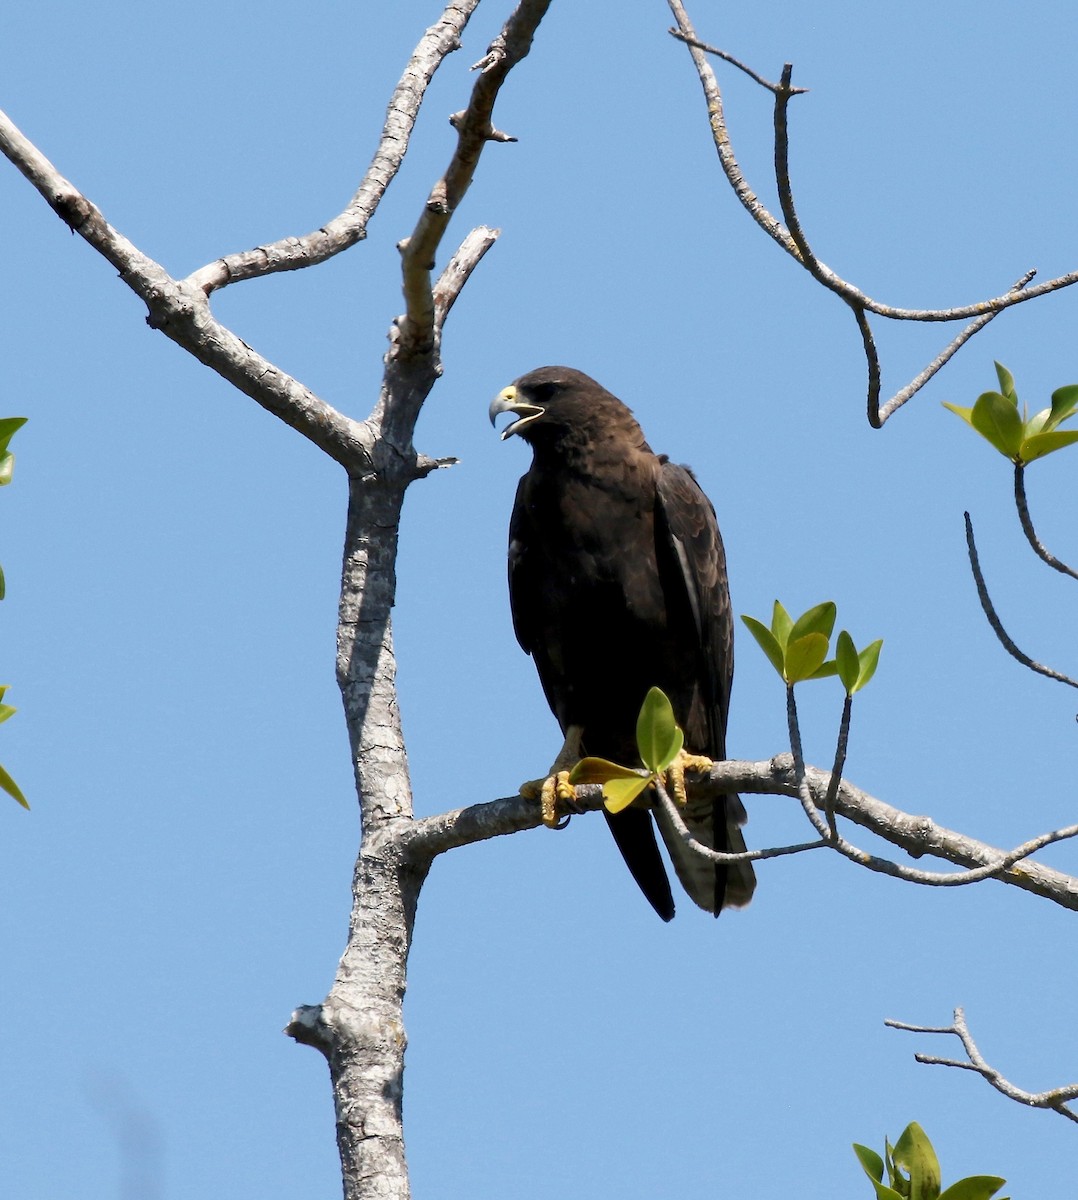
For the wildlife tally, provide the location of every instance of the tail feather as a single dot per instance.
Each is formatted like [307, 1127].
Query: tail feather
[635, 837]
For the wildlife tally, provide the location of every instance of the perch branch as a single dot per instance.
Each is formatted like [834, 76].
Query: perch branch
[425, 838]
[1055, 1099]
[993, 618]
[792, 239]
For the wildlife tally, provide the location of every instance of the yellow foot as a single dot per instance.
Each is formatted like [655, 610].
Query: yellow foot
[675, 773]
[553, 793]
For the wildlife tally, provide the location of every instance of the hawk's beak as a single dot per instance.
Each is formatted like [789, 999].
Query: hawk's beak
[506, 401]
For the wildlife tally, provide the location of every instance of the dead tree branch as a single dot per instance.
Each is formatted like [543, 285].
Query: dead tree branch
[182, 312]
[350, 226]
[792, 239]
[1056, 1099]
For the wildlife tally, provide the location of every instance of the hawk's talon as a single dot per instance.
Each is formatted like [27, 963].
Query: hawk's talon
[675, 774]
[554, 795]
[556, 789]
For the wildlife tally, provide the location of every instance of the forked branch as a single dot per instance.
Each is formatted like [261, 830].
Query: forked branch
[419, 326]
[350, 226]
[1056, 1099]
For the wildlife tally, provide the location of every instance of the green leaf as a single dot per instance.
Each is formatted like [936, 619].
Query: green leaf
[828, 669]
[1038, 423]
[870, 1160]
[7, 467]
[849, 666]
[974, 1187]
[12, 788]
[819, 619]
[3, 586]
[658, 737]
[767, 641]
[996, 418]
[620, 793]
[965, 413]
[804, 655]
[1064, 403]
[6, 711]
[869, 660]
[1006, 383]
[873, 1168]
[599, 770]
[8, 426]
[914, 1153]
[781, 624]
[1041, 444]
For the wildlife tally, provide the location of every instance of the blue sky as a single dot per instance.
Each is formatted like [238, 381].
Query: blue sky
[172, 555]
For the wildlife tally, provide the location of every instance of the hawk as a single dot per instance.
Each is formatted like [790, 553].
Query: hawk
[617, 583]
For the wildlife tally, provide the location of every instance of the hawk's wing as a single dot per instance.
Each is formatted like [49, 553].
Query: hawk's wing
[693, 563]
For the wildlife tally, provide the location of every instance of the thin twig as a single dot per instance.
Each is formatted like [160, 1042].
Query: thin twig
[734, 62]
[793, 240]
[840, 763]
[1055, 1099]
[994, 621]
[723, 857]
[1027, 525]
[804, 792]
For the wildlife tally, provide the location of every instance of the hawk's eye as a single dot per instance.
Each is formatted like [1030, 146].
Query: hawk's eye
[541, 393]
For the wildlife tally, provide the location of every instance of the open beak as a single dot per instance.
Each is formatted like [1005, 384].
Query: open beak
[506, 401]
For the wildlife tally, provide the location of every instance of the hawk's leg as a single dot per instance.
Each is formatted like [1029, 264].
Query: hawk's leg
[675, 773]
[555, 791]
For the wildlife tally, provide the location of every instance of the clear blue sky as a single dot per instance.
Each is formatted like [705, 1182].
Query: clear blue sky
[172, 554]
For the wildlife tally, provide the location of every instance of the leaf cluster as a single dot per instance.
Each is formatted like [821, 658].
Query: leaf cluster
[913, 1171]
[798, 649]
[1018, 436]
[659, 739]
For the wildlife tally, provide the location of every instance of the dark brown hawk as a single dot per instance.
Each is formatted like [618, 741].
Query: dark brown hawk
[617, 582]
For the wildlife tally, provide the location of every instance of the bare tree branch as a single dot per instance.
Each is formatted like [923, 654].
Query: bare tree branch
[1027, 525]
[350, 226]
[792, 239]
[182, 313]
[1055, 1099]
[993, 618]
